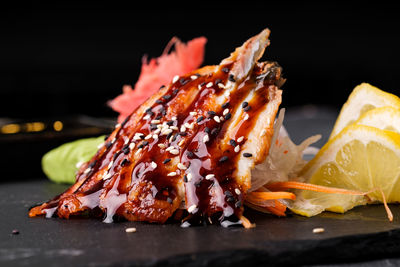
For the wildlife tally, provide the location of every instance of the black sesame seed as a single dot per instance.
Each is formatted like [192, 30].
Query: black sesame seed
[166, 97]
[15, 232]
[126, 150]
[175, 91]
[207, 130]
[247, 155]
[142, 137]
[190, 154]
[145, 143]
[140, 146]
[238, 204]
[161, 87]
[245, 104]
[202, 84]
[125, 121]
[198, 184]
[199, 119]
[153, 127]
[106, 137]
[166, 161]
[159, 117]
[175, 136]
[215, 131]
[230, 199]
[158, 101]
[182, 133]
[247, 108]
[231, 78]
[211, 113]
[124, 162]
[225, 105]
[226, 70]
[169, 200]
[217, 81]
[91, 165]
[169, 135]
[228, 193]
[185, 179]
[108, 144]
[228, 116]
[183, 81]
[115, 156]
[232, 142]
[148, 110]
[223, 159]
[170, 123]
[164, 112]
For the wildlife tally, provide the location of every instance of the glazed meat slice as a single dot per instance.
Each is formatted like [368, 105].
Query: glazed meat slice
[190, 146]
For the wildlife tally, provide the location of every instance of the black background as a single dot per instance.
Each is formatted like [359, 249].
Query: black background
[66, 58]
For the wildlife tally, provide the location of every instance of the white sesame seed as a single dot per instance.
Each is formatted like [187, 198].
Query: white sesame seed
[318, 230]
[237, 148]
[226, 111]
[153, 165]
[227, 93]
[171, 174]
[171, 138]
[87, 170]
[210, 176]
[155, 121]
[181, 142]
[187, 125]
[199, 86]
[157, 131]
[147, 117]
[169, 148]
[174, 151]
[159, 126]
[79, 164]
[221, 118]
[113, 141]
[117, 125]
[206, 138]
[192, 209]
[216, 118]
[161, 145]
[100, 146]
[137, 137]
[209, 84]
[193, 113]
[138, 151]
[110, 164]
[193, 77]
[174, 128]
[220, 85]
[189, 177]
[130, 230]
[126, 140]
[181, 166]
[175, 79]
[240, 139]
[155, 136]
[139, 134]
[166, 132]
[132, 145]
[174, 118]
[246, 117]
[107, 176]
[237, 191]
[148, 137]
[191, 125]
[183, 128]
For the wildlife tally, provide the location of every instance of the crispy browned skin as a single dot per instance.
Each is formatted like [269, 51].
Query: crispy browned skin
[193, 142]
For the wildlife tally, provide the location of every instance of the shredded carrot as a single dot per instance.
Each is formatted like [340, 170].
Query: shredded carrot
[246, 223]
[278, 186]
[278, 208]
[262, 196]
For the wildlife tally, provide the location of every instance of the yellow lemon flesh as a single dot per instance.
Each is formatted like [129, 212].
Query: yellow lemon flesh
[359, 158]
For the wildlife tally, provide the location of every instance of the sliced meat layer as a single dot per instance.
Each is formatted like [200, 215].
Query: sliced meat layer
[191, 145]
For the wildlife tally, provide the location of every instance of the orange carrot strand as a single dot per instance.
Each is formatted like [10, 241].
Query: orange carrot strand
[278, 186]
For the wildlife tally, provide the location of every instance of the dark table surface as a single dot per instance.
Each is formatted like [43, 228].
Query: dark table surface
[361, 237]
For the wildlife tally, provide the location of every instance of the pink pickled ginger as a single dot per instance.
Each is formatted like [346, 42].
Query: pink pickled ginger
[159, 71]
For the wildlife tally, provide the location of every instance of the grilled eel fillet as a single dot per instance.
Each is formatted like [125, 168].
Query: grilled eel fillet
[191, 145]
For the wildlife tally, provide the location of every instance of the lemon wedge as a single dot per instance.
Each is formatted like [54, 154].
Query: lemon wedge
[385, 118]
[359, 158]
[364, 97]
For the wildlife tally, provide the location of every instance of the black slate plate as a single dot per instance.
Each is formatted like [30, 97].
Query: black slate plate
[363, 234]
